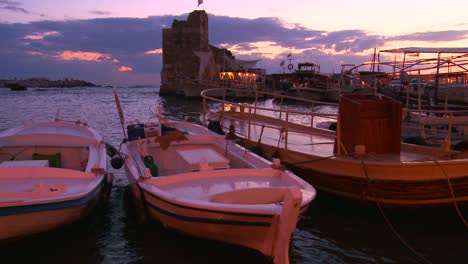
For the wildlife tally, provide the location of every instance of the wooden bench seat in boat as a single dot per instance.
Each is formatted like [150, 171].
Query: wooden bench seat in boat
[260, 195]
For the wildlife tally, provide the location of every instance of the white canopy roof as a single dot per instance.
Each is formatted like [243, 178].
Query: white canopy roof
[427, 50]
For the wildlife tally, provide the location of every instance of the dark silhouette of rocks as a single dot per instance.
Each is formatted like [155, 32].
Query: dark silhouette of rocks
[46, 83]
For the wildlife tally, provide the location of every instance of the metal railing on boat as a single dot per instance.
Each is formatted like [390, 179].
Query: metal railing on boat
[284, 114]
[444, 128]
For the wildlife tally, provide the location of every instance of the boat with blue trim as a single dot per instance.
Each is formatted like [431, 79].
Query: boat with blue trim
[203, 184]
[51, 174]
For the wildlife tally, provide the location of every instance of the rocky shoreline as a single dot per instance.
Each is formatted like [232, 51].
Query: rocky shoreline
[46, 83]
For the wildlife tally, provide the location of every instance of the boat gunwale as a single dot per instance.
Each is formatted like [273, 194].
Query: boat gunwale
[51, 203]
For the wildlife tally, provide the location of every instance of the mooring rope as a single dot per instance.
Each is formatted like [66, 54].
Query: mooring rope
[8, 154]
[13, 156]
[278, 140]
[387, 221]
[457, 208]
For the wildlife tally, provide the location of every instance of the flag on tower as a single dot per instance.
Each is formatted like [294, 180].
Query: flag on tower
[200, 2]
[282, 63]
[289, 55]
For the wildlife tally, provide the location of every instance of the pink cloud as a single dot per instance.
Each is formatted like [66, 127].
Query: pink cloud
[125, 69]
[41, 35]
[83, 56]
[155, 51]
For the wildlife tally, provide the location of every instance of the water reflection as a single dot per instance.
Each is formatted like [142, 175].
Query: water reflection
[332, 231]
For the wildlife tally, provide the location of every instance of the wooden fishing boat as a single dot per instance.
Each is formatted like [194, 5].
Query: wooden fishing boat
[199, 183]
[51, 174]
[306, 82]
[362, 159]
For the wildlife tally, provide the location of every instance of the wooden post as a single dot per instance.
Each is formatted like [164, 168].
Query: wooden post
[437, 80]
[449, 136]
[446, 99]
[222, 109]
[204, 111]
[250, 122]
[419, 91]
[281, 108]
[407, 97]
[403, 80]
[338, 135]
[286, 131]
[256, 99]
[448, 140]
[312, 116]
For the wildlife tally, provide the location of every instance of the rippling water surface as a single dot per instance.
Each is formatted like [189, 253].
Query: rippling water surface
[332, 231]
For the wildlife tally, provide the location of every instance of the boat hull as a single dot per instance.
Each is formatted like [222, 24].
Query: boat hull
[21, 221]
[207, 187]
[255, 231]
[414, 184]
[310, 93]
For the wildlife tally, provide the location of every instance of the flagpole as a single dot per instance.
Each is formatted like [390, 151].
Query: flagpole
[120, 111]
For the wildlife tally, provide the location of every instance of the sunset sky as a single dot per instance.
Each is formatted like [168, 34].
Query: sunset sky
[119, 42]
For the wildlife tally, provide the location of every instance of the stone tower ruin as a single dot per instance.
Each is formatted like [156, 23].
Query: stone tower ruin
[187, 57]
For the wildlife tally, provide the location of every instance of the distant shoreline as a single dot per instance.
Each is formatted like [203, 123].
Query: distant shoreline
[46, 83]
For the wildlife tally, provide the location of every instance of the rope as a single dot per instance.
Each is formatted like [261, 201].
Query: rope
[13, 157]
[8, 154]
[123, 155]
[452, 193]
[387, 221]
[276, 152]
[295, 163]
[261, 134]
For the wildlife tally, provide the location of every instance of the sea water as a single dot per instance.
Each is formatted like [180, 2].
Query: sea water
[331, 231]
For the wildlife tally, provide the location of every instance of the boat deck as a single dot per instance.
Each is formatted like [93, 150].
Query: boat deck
[317, 144]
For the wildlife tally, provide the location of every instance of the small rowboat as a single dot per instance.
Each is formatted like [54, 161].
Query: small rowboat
[51, 174]
[199, 183]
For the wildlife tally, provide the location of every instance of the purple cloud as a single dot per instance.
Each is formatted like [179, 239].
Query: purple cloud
[447, 35]
[13, 6]
[100, 13]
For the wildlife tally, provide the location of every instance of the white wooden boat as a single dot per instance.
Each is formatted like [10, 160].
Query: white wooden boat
[51, 174]
[364, 159]
[209, 187]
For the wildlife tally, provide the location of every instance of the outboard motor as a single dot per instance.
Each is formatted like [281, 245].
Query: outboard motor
[116, 158]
